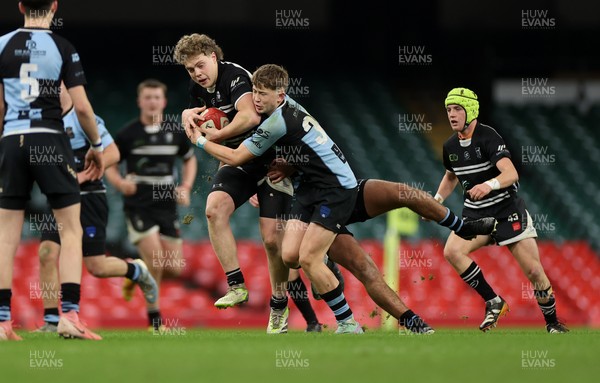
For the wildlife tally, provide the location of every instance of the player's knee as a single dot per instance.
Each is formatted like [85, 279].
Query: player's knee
[271, 244]
[452, 255]
[534, 273]
[363, 268]
[215, 214]
[47, 254]
[96, 269]
[290, 259]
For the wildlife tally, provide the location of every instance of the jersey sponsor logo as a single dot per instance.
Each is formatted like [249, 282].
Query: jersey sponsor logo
[75, 57]
[478, 152]
[338, 153]
[30, 45]
[257, 144]
[467, 155]
[516, 226]
[453, 157]
[501, 147]
[263, 133]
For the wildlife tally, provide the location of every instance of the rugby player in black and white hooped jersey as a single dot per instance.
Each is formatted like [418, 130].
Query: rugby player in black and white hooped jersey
[33, 62]
[94, 218]
[150, 147]
[227, 86]
[477, 157]
[325, 196]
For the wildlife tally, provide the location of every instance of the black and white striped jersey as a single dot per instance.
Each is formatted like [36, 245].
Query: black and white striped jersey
[233, 82]
[150, 153]
[473, 161]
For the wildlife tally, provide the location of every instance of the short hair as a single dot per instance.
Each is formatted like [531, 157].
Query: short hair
[195, 44]
[151, 83]
[271, 76]
[37, 5]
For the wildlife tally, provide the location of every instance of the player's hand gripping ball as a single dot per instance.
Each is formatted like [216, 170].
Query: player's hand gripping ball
[214, 118]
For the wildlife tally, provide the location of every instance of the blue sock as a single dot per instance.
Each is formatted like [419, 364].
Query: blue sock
[451, 221]
[337, 303]
[4, 313]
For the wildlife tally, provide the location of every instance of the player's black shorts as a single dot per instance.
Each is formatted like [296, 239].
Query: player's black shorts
[514, 223]
[142, 221]
[94, 218]
[359, 212]
[274, 199]
[45, 158]
[330, 207]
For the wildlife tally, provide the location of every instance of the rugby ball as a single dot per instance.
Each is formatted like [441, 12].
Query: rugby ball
[214, 118]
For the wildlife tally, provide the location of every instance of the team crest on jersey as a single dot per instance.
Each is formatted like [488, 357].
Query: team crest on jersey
[453, 157]
[219, 99]
[467, 155]
[69, 131]
[90, 231]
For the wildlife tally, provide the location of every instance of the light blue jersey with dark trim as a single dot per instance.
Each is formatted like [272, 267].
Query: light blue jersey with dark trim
[301, 142]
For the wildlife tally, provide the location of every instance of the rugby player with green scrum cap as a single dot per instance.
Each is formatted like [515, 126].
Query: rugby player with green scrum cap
[477, 157]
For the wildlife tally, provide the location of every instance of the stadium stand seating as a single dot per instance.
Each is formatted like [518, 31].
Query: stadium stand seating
[427, 284]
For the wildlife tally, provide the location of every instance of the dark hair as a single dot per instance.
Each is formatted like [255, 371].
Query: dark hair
[37, 5]
[151, 83]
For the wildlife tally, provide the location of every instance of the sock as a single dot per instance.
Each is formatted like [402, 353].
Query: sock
[337, 303]
[297, 290]
[409, 320]
[5, 295]
[473, 277]
[154, 319]
[51, 315]
[278, 303]
[451, 221]
[70, 293]
[548, 308]
[133, 271]
[235, 277]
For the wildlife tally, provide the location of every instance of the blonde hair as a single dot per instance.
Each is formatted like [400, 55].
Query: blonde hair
[195, 44]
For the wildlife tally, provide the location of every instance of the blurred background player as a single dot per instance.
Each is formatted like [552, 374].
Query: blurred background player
[94, 218]
[227, 86]
[327, 191]
[477, 157]
[31, 124]
[150, 149]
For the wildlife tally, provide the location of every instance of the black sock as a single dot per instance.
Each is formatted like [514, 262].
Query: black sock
[154, 319]
[70, 295]
[452, 221]
[299, 294]
[5, 295]
[337, 303]
[278, 303]
[235, 277]
[131, 268]
[548, 308]
[473, 277]
[51, 315]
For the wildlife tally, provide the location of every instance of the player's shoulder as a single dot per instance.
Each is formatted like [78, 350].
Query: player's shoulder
[230, 69]
[487, 132]
[130, 128]
[451, 141]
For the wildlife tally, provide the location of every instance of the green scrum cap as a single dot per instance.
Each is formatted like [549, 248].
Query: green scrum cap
[465, 98]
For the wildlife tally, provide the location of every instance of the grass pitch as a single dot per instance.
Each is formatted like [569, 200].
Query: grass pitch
[198, 355]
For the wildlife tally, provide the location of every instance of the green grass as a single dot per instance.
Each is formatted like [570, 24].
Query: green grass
[450, 355]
